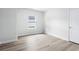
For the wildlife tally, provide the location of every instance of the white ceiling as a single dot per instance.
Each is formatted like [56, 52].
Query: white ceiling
[41, 9]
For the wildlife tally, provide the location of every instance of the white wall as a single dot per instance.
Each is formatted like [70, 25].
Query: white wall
[7, 25]
[56, 22]
[22, 22]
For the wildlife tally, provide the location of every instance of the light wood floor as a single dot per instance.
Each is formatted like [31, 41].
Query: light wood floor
[40, 42]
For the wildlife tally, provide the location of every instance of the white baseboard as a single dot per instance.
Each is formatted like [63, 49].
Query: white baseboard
[57, 36]
[8, 41]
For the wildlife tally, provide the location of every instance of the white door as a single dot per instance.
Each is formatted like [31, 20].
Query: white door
[74, 23]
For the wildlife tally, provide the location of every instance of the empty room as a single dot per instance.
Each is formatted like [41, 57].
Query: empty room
[39, 29]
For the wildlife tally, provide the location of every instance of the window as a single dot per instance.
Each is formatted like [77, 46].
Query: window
[31, 22]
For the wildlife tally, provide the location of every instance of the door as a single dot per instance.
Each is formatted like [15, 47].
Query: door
[74, 23]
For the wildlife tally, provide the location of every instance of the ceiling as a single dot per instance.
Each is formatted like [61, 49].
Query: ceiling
[41, 9]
